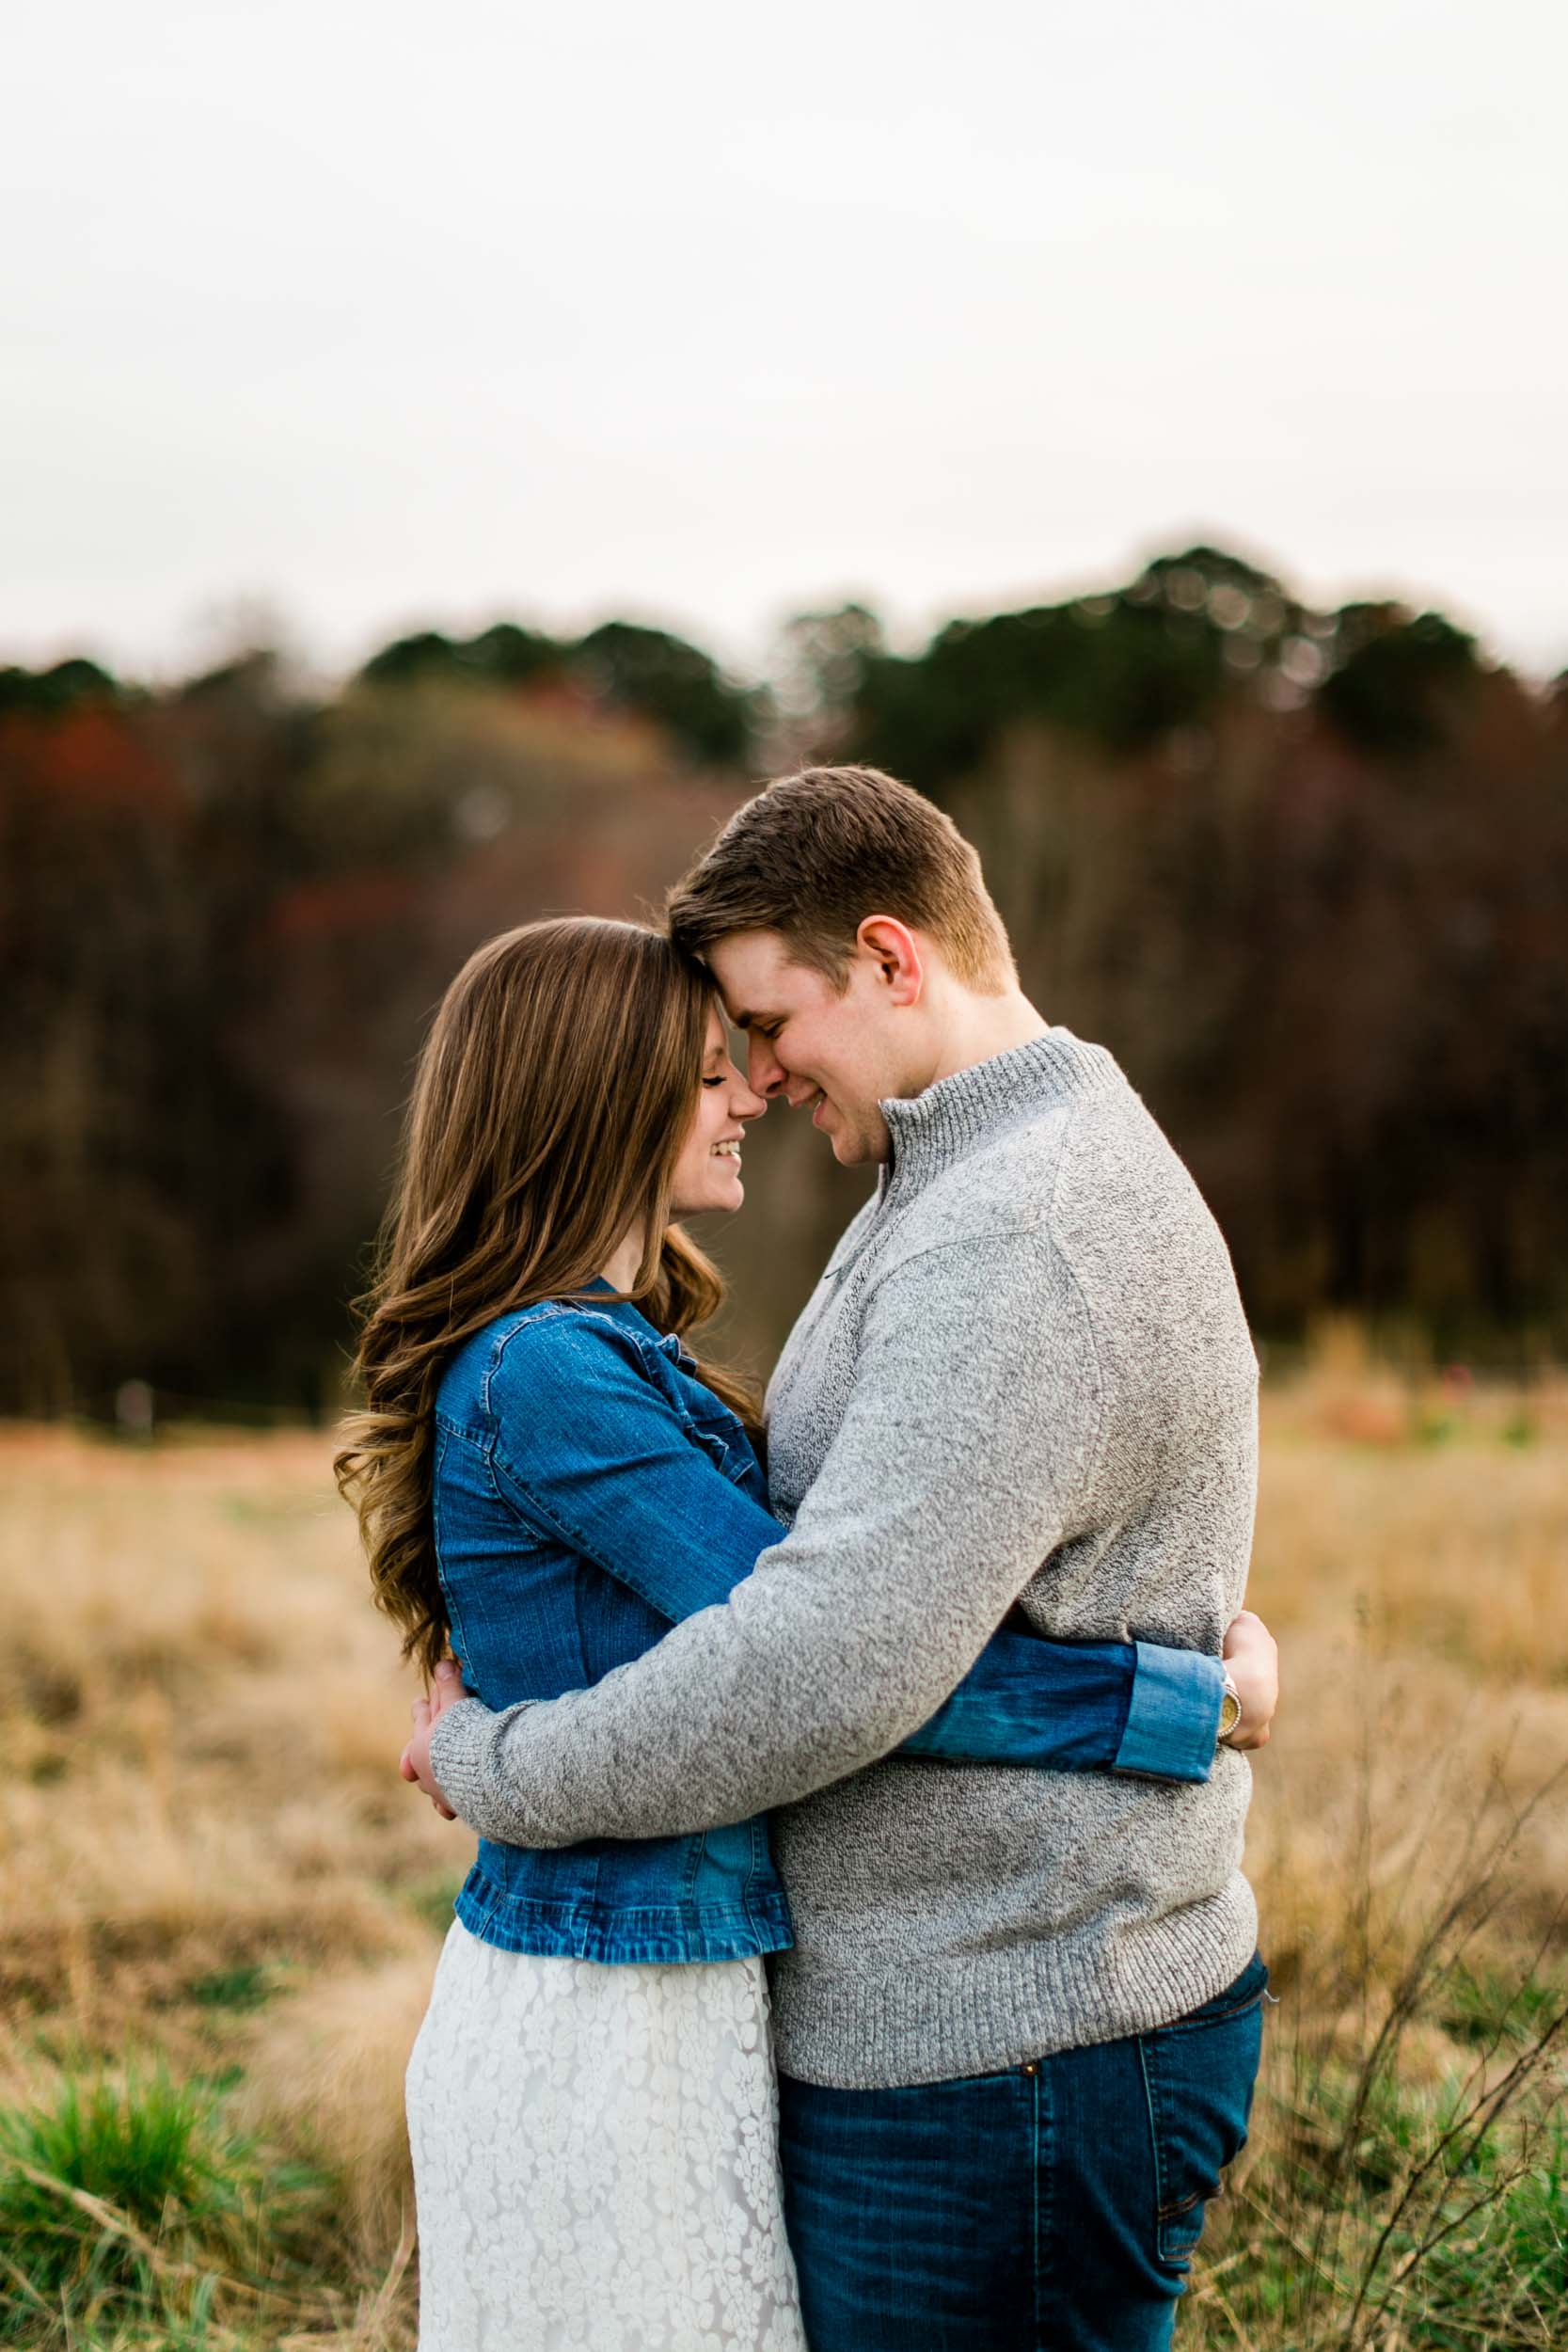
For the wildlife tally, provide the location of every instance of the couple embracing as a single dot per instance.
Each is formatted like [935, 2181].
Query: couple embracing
[906, 1766]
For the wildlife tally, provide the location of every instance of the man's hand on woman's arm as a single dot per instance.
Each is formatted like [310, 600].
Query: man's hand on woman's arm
[414, 1763]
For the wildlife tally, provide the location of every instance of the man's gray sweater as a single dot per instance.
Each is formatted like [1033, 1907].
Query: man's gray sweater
[1025, 1377]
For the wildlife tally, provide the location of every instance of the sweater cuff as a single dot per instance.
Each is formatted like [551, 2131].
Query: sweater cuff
[460, 1757]
[1174, 1720]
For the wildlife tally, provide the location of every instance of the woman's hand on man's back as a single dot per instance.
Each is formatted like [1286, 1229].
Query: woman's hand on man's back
[1252, 1655]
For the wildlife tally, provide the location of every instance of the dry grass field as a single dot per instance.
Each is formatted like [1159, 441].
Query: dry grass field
[221, 1908]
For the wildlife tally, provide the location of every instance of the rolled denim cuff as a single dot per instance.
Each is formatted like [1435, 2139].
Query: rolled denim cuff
[1174, 1720]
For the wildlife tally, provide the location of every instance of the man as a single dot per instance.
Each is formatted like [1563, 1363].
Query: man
[1017, 2031]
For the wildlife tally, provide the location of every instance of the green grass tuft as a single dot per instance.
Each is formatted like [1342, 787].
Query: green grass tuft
[246, 1986]
[123, 2205]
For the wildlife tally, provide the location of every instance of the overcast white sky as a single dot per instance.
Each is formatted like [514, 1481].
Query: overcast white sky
[706, 314]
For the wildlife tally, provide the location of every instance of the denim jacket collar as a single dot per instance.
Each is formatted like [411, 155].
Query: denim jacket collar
[606, 1298]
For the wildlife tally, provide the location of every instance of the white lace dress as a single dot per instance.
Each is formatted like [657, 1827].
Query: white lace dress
[596, 2158]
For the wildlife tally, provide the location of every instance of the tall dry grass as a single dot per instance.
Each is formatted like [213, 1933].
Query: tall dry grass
[1409, 1845]
[206, 1850]
[207, 1855]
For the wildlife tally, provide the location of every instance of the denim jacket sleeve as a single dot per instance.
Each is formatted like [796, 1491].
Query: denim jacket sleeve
[1122, 1706]
[591, 1449]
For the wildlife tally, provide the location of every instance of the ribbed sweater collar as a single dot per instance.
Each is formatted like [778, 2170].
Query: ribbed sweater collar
[930, 1131]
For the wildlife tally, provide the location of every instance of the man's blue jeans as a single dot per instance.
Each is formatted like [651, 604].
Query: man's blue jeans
[1052, 2208]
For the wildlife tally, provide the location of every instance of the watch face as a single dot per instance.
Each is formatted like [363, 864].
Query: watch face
[1230, 1714]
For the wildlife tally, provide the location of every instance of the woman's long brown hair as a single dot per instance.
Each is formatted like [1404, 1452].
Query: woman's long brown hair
[556, 1088]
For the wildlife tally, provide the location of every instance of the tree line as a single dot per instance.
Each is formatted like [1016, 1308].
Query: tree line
[1306, 872]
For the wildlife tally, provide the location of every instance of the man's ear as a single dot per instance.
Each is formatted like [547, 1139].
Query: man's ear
[894, 948]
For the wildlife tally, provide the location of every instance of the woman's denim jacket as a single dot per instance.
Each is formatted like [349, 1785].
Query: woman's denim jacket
[589, 1492]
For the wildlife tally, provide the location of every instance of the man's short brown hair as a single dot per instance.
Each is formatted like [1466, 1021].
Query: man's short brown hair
[815, 853]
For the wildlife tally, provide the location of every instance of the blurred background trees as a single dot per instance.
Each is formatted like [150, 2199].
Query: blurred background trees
[1306, 873]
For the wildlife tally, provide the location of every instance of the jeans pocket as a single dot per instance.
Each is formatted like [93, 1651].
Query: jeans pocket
[1198, 2075]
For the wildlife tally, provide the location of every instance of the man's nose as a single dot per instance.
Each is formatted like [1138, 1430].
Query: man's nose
[763, 1068]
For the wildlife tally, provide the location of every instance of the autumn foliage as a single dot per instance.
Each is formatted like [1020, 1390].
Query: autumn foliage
[1306, 873]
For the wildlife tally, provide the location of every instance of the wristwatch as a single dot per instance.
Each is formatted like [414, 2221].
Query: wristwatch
[1230, 1709]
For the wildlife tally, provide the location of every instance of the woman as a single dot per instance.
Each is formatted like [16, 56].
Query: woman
[547, 1479]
